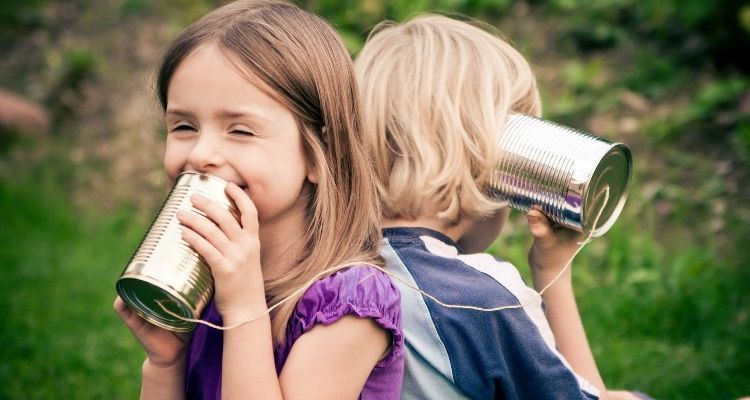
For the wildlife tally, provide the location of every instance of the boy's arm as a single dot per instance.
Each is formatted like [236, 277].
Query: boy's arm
[565, 321]
[552, 249]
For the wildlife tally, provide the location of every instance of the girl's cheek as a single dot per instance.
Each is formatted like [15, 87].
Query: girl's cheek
[174, 163]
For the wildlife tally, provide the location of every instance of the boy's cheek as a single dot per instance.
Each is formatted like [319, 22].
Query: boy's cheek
[482, 232]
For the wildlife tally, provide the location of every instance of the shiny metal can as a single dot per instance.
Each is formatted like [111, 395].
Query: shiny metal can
[165, 269]
[564, 172]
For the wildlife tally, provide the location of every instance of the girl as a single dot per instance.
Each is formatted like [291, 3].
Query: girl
[262, 94]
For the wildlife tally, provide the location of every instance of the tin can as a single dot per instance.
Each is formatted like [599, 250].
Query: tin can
[566, 173]
[165, 269]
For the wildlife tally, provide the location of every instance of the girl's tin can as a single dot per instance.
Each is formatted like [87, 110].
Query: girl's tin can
[165, 270]
[565, 172]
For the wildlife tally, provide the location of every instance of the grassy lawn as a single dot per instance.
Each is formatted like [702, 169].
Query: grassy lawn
[672, 324]
[664, 295]
[665, 315]
[61, 338]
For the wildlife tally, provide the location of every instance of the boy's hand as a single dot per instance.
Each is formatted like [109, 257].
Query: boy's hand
[553, 245]
[164, 349]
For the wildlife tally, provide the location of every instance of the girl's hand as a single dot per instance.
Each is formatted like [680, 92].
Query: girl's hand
[553, 246]
[164, 349]
[231, 249]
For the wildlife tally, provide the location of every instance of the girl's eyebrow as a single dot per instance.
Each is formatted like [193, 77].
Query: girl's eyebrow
[178, 112]
[226, 114]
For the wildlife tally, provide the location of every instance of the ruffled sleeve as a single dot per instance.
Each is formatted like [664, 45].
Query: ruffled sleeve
[361, 291]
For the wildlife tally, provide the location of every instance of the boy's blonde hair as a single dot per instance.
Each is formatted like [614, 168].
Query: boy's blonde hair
[302, 59]
[436, 94]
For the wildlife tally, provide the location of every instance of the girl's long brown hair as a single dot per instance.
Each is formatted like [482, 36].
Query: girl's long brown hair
[304, 62]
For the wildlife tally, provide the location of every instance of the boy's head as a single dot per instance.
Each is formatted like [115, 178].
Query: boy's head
[437, 92]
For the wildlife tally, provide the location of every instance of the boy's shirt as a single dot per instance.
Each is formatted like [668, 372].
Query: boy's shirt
[459, 353]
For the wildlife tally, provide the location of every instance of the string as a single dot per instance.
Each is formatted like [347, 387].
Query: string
[304, 287]
[269, 309]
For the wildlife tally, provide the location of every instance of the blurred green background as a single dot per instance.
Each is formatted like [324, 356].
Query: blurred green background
[664, 295]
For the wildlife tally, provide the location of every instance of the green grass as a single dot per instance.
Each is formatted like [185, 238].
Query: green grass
[668, 321]
[61, 338]
[664, 295]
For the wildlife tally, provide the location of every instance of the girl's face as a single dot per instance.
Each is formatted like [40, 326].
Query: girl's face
[220, 123]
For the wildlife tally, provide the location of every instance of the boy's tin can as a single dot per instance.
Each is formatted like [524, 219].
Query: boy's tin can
[564, 172]
[165, 269]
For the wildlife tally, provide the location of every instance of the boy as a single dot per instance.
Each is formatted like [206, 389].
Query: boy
[437, 93]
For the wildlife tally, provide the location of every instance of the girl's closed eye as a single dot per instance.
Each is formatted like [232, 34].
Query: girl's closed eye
[182, 127]
[242, 131]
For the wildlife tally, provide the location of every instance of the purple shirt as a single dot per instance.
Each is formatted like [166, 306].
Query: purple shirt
[360, 291]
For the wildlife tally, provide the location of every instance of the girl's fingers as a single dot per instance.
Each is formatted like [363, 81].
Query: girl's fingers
[133, 321]
[205, 228]
[206, 249]
[219, 215]
[122, 309]
[248, 212]
[222, 241]
[183, 337]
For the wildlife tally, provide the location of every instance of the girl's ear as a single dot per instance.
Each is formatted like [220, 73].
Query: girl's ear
[313, 174]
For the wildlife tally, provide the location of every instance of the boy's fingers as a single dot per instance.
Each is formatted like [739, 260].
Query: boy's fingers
[539, 225]
[547, 232]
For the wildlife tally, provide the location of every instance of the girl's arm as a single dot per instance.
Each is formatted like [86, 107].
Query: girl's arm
[166, 383]
[551, 250]
[327, 362]
[163, 371]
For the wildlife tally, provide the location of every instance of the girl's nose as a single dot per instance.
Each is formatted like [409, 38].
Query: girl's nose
[206, 155]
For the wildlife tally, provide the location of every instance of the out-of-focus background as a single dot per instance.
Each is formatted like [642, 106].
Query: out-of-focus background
[664, 295]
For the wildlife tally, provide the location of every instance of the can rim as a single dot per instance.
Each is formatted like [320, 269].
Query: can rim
[152, 314]
[201, 174]
[602, 228]
[225, 201]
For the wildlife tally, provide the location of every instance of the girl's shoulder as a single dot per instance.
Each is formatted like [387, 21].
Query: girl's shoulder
[360, 289]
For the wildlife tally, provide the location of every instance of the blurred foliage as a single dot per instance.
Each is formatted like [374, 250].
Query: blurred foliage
[19, 18]
[663, 294]
[715, 32]
[70, 70]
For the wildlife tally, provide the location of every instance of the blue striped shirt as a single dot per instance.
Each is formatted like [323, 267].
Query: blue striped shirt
[467, 354]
